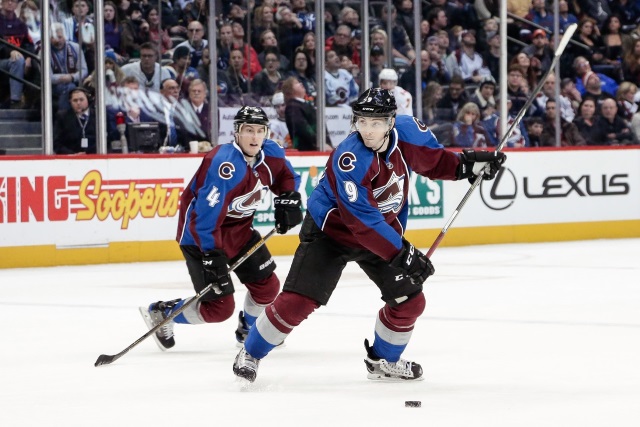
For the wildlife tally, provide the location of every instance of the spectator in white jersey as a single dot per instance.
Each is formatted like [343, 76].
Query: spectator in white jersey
[404, 100]
[340, 87]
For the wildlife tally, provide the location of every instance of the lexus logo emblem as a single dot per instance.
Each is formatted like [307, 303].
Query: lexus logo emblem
[500, 193]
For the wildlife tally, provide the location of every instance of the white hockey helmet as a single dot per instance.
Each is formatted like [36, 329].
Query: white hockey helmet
[388, 74]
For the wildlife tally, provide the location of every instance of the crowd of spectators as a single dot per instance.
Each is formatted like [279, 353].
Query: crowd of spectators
[158, 55]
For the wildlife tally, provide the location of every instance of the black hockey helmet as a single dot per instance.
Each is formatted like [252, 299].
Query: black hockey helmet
[375, 102]
[250, 115]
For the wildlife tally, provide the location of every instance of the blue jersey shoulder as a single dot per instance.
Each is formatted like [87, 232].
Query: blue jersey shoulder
[414, 131]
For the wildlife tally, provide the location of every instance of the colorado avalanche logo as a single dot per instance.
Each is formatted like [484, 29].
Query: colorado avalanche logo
[226, 170]
[245, 205]
[390, 196]
[346, 162]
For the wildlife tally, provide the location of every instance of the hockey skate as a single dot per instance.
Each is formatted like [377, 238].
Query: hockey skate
[380, 369]
[245, 366]
[153, 315]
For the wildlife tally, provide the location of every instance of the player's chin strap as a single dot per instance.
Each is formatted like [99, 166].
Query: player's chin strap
[387, 137]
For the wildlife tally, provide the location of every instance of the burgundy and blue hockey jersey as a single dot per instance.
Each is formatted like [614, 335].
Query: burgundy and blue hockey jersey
[362, 199]
[217, 207]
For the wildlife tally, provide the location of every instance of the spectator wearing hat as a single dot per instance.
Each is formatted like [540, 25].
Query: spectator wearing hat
[134, 30]
[483, 97]
[404, 100]
[376, 63]
[278, 126]
[593, 88]
[539, 48]
[181, 70]
[465, 61]
[581, 67]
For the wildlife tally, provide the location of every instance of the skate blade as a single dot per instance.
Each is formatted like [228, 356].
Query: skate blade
[389, 379]
[144, 312]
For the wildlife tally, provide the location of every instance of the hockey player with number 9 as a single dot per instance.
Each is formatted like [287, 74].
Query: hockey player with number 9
[358, 212]
[216, 228]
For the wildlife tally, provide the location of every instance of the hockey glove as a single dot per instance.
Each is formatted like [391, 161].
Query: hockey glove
[288, 213]
[216, 271]
[414, 263]
[473, 162]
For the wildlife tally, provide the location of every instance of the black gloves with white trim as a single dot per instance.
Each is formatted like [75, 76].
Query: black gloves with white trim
[414, 263]
[288, 211]
[473, 162]
[216, 271]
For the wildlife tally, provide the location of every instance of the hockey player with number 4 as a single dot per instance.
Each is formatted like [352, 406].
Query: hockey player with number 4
[358, 212]
[216, 228]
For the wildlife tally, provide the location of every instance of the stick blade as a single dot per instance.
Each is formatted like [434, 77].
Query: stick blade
[104, 359]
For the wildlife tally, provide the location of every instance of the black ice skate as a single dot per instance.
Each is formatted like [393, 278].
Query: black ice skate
[246, 366]
[243, 329]
[153, 315]
[380, 369]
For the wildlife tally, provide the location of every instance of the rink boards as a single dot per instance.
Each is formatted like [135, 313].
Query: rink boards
[99, 209]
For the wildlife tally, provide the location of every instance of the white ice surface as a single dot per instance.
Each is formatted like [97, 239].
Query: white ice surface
[513, 335]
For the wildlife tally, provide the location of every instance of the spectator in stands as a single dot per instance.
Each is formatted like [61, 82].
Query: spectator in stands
[196, 10]
[530, 71]
[157, 35]
[171, 110]
[434, 46]
[181, 70]
[627, 10]
[376, 64]
[68, 66]
[341, 44]
[597, 10]
[489, 26]
[402, 45]
[269, 42]
[467, 131]
[483, 97]
[631, 62]
[429, 72]
[291, 30]
[349, 16]
[404, 101]
[340, 87]
[459, 13]
[307, 17]
[265, 83]
[300, 116]
[593, 88]
[30, 15]
[263, 20]
[147, 70]
[173, 19]
[437, 20]
[226, 95]
[591, 45]
[569, 134]
[134, 30]
[586, 117]
[193, 119]
[431, 95]
[79, 29]
[609, 128]
[465, 61]
[626, 99]
[197, 43]
[302, 71]
[251, 65]
[539, 48]
[14, 31]
[569, 92]
[448, 107]
[225, 44]
[565, 17]
[635, 125]
[113, 77]
[278, 126]
[614, 43]
[75, 129]
[113, 32]
[491, 57]
[309, 47]
[582, 67]
[514, 90]
[405, 17]
[425, 30]
[519, 138]
[239, 82]
[538, 14]
[534, 129]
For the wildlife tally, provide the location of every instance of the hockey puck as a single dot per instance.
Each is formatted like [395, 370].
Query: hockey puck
[412, 404]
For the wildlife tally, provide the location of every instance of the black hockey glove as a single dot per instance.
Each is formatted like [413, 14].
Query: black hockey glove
[288, 212]
[472, 163]
[216, 271]
[414, 263]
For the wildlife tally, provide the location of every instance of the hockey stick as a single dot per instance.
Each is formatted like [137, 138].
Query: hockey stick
[561, 46]
[105, 359]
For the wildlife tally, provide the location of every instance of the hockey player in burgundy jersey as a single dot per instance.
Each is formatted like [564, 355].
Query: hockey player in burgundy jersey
[358, 212]
[215, 227]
